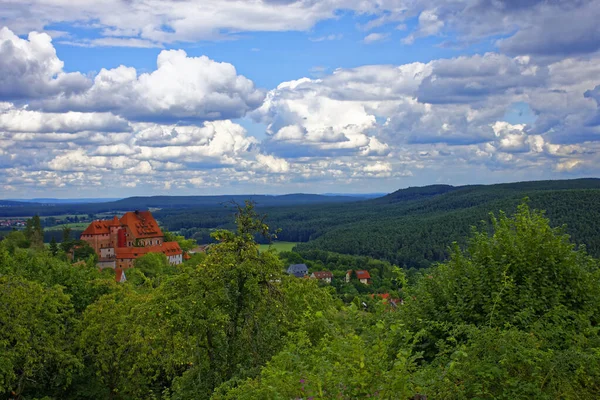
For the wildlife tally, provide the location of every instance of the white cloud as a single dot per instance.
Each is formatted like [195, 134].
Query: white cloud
[375, 37]
[274, 164]
[413, 123]
[16, 119]
[429, 24]
[181, 88]
[332, 36]
[113, 42]
[29, 68]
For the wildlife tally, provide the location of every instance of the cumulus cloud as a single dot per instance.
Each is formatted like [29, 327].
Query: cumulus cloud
[429, 24]
[30, 68]
[467, 79]
[273, 164]
[170, 129]
[546, 35]
[15, 119]
[534, 27]
[181, 88]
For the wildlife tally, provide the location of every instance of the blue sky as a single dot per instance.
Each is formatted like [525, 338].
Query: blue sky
[144, 97]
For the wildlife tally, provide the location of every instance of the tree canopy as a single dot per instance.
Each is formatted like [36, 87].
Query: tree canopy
[513, 314]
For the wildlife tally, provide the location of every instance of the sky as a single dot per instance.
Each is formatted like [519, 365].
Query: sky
[144, 97]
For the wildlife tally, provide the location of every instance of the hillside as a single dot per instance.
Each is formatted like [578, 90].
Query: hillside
[412, 227]
[20, 208]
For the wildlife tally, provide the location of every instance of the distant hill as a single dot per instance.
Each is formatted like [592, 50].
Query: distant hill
[11, 203]
[12, 208]
[66, 201]
[502, 189]
[414, 227]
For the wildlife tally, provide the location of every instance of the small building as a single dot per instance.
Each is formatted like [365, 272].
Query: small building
[323, 276]
[363, 276]
[298, 270]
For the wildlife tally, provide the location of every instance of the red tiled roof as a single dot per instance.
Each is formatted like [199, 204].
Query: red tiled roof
[384, 296]
[99, 227]
[170, 248]
[363, 275]
[114, 222]
[167, 248]
[141, 224]
[323, 274]
[186, 256]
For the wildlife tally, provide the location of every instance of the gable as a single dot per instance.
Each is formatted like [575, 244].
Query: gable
[141, 224]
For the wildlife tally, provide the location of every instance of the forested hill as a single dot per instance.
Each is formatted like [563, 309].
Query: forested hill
[14, 208]
[423, 192]
[412, 227]
[415, 226]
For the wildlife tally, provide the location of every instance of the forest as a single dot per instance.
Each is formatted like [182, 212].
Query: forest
[512, 313]
[412, 227]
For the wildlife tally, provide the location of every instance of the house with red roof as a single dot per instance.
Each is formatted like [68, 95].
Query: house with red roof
[363, 276]
[323, 276]
[119, 241]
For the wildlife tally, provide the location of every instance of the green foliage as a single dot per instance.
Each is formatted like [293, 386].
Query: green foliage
[34, 231]
[350, 361]
[511, 364]
[53, 247]
[514, 315]
[185, 244]
[515, 276]
[38, 326]
[82, 251]
[151, 269]
[84, 284]
[15, 240]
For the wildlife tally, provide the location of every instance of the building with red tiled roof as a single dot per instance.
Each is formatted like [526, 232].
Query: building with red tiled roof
[324, 276]
[362, 275]
[119, 241]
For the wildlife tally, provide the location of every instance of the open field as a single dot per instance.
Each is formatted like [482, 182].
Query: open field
[74, 225]
[279, 246]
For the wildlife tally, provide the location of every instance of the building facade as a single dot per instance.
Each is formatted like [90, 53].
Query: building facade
[119, 241]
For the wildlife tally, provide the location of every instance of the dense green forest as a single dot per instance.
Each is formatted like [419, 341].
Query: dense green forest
[411, 227]
[512, 315]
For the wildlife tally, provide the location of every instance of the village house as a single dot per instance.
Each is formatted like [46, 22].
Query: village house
[119, 241]
[323, 276]
[363, 276]
[298, 270]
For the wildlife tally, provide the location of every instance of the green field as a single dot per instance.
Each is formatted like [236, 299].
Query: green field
[73, 225]
[279, 246]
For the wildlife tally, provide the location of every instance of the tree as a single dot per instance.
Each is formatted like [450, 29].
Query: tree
[515, 315]
[67, 243]
[83, 251]
[15, 240]
[185, 244]
[518, 274]
[53, 246]
[38, 326]
[34, 231]
[152, 269]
